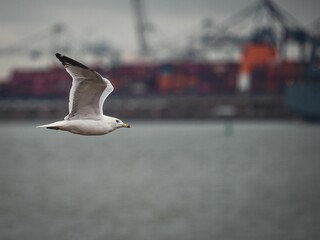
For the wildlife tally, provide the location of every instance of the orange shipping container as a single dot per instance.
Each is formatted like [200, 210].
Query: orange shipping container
[165, 82]
[256, 54]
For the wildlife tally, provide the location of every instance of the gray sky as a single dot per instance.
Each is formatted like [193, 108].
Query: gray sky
[112, 20]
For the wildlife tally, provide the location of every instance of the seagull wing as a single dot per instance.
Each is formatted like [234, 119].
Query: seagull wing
[88, 92]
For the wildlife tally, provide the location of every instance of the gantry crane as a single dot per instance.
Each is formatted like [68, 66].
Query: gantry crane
[262, 21]
[141, 26]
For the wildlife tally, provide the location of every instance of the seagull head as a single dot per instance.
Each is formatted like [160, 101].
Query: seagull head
[119, 124]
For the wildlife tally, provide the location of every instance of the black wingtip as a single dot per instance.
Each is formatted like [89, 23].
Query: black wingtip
[69, 61]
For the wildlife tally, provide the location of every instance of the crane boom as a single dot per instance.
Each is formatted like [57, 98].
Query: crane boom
[141, 26]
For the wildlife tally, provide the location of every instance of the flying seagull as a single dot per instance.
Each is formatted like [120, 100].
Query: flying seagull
[87, 95]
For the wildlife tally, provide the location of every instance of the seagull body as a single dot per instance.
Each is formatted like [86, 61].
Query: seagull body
[87, 95]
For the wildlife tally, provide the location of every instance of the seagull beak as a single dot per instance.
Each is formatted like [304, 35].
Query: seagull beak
[126, 125]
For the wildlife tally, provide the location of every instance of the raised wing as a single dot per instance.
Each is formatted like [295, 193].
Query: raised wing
[88, 92]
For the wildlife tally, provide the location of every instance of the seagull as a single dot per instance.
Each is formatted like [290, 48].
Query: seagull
[87, 95]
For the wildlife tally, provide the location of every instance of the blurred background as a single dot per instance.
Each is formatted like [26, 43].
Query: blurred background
[224, 102]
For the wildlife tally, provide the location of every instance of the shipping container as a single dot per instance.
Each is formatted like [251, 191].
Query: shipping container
[163, 78]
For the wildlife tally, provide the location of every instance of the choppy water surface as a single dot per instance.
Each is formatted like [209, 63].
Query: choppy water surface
[161, 180]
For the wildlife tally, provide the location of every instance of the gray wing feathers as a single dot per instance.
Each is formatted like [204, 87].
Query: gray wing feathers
[88, 92]
[105, 94]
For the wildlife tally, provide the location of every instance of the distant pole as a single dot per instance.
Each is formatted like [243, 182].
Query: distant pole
[141, 26]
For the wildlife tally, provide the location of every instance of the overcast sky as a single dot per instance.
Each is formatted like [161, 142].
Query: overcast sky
[112, 20]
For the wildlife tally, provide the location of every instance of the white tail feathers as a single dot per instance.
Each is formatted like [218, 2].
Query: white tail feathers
[55, 125]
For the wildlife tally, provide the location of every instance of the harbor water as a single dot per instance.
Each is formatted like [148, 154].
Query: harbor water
[161, 180]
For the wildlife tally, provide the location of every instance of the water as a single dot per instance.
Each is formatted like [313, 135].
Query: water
[161, 180]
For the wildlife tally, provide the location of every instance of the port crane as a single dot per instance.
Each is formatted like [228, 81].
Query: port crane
[57, 38]
[142, 26]
[36, 44]
[262, 21]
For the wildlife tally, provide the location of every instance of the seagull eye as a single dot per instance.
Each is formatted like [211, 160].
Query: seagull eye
[117, 121]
